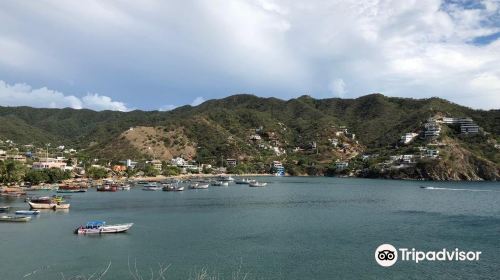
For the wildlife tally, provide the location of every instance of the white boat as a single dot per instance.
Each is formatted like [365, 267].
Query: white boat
[51, 205]
[100, 227]
[27, 212]
[179, 188]
[225, 184]
[257, 184]
[124, 187]
[226, 178]
[151, 187]
[244, 181]
[10, 218]
[4, 208]
[198, 186]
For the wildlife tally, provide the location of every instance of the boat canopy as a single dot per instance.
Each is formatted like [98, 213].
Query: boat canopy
[95, 224]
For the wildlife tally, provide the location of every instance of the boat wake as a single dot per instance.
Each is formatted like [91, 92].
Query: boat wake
[452, 189]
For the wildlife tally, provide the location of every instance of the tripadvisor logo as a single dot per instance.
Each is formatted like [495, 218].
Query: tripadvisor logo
[387, 255]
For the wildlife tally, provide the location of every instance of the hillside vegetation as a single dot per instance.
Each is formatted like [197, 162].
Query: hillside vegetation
[301, 132]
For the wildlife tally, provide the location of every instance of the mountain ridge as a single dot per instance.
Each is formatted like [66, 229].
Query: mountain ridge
[223, 128]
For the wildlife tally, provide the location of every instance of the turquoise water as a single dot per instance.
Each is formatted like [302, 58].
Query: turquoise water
[295, 228]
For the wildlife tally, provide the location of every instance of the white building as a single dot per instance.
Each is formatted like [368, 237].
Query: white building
[408, 137]
[178, 161]
[129, 163]
[432, 129]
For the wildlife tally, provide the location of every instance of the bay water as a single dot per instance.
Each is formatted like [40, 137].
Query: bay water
[294, 228]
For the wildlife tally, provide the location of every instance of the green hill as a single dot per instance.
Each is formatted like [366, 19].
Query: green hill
[302, 130]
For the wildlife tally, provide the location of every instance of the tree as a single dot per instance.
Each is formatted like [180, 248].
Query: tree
[36, 177]
[150, 171]
[11, 171]
[97, 173]
[171, 170]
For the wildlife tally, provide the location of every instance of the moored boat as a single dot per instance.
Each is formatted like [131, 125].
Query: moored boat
[257, 184]
[199, 186]
[168, 188]
[107, 188]
[72, 191]
[50, 205]
[151, 187]
[4, 208]
[124, 187]
[9, 218]
[27, 212]
[100, 227]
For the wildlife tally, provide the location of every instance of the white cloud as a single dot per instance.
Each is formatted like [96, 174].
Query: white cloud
[168, 107]
[267, 47]
[24, 95]
[101, 102]
[338, 87]
[197, 101]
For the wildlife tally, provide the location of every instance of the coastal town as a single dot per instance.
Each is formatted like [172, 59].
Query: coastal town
[32, 165]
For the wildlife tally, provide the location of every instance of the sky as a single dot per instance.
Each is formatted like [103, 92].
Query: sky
[157, 55]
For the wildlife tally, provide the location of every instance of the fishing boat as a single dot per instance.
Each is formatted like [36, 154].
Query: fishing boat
[100, 227]
[168, 188]
[72, 191]
[4, 208]
[244, 181]
[151, 187]
[216, 183]
[15, 218]
[107, 188]
[124, 187]
[50, 205]
[199, 186]
[225, 178]
[27, 212]
[257, 184]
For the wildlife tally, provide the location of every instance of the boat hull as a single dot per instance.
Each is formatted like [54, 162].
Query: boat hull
[27, 212]
[104, 229]
[15, 219]
[54, 206]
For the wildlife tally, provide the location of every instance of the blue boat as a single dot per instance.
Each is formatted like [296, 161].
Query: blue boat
[27, 212]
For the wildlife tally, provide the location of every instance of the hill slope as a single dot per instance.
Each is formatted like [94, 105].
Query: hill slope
[310, 135]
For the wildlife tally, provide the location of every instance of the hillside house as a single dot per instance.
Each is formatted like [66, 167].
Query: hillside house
[129, 163]
[341, 165]
[231, 162]
[469, 128]
[408, 137]
[48, 163]
[156, 164]
[432, 130]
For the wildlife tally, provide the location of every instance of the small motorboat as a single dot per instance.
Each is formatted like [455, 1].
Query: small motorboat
[4, 208]
[241, 181]
[27, 212]
[50, 205]
[179, 188]
[107, 188]
[168, 188]
[216, 183]
[100, 227]
[199, 186]
[151, 187]
[225, 184]
[257, 184]
[10, 218]
[124, 187]
[72, 191]
[225, 178]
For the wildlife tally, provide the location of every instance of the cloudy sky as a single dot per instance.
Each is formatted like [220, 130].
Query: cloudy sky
[151, 55]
